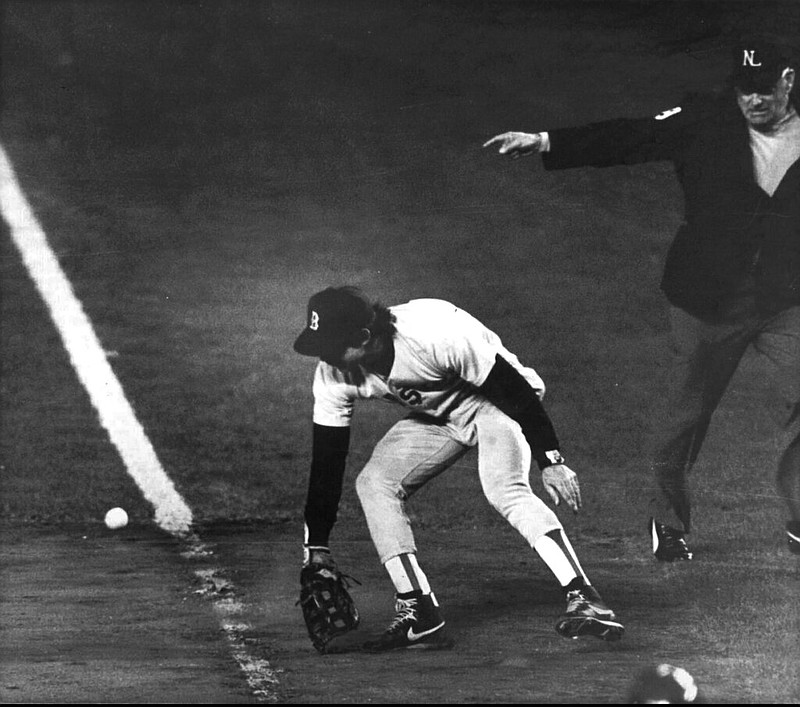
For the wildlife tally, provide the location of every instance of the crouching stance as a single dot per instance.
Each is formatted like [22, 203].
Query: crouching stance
[462, 389]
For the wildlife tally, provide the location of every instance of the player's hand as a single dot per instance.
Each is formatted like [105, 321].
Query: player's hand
[562, 485]
[516, 144]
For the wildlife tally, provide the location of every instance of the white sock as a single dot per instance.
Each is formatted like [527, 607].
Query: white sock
[557, 553]
[406, 574]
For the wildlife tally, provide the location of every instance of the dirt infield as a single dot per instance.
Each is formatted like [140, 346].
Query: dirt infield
[90, 615]
[93, 616]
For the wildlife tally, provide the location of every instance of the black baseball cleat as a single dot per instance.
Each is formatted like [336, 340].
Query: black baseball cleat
[587, 615]
[668, 542]
[793, 536]
[417, 625]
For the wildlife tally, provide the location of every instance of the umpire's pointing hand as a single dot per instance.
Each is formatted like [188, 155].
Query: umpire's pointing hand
[516, 144]
[562, 485]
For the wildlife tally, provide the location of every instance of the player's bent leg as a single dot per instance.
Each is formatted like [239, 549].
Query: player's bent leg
[409, 455]
[504, 463]
[412, 453]
[384, 510]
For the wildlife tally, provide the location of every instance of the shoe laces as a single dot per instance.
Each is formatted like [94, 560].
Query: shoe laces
[576, 601]
[406, 611]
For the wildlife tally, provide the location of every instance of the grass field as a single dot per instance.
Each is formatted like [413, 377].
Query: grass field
[201, 169]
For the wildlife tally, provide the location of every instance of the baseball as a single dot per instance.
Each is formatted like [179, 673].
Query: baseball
[116, 518]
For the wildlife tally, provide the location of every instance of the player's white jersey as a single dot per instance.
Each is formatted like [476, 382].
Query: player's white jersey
[441, 355]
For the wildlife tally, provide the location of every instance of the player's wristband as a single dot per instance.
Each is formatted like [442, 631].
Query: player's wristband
[310, 550]
[548, 458]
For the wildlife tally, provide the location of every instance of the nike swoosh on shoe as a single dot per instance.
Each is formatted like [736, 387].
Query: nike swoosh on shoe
[413, 636]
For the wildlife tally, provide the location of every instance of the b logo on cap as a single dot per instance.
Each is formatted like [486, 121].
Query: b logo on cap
[313, 323]
[748, 58]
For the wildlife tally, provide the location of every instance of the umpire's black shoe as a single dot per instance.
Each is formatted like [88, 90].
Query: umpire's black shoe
[587, 615]
[418, 624]
[668, 542]
[793, 536]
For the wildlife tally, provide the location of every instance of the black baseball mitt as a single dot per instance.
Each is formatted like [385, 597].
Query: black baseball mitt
[328, 608]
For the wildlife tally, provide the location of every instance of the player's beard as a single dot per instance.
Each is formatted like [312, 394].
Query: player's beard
[354, 374]
[352, 371]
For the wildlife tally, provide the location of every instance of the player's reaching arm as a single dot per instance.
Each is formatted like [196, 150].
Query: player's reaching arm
[508, 390]
[328, 609]
[330, 443]
[328, 458]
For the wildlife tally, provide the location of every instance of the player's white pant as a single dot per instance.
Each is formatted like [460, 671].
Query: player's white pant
[415, 450]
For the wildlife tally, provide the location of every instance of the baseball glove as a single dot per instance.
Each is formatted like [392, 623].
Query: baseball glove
[328, 608]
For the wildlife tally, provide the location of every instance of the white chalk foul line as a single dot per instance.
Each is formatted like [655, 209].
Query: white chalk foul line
[116, 414]
[261, 678]
[87, 356]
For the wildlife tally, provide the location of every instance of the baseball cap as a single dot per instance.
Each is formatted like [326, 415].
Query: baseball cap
[335, 315]
[758, 64]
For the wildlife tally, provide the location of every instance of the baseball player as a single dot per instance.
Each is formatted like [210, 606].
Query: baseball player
[461, 388]
[732, 273]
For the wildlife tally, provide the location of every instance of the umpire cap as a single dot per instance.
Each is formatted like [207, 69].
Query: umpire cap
[335, 318]
[758, 64]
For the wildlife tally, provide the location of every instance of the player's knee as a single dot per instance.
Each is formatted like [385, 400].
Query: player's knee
[369, 485]
[504, 497]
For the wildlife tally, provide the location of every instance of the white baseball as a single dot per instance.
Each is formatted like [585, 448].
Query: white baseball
[116, 518]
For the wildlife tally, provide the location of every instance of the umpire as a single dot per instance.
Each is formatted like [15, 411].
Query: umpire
[732, 273]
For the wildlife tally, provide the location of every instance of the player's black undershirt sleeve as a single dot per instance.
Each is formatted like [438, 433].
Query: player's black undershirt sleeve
[328, 457]
[506, 388]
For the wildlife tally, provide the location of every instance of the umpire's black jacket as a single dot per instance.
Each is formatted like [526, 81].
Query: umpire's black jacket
[732, 229]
